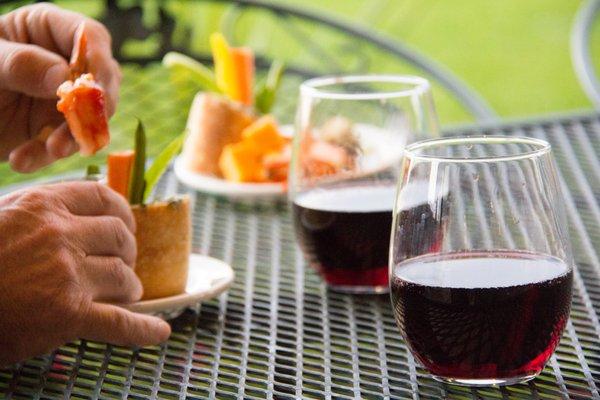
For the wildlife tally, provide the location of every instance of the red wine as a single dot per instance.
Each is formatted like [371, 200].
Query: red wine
[482, 315]
[345, 233]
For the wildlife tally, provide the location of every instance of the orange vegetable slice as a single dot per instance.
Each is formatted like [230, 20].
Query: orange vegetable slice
[263, 136]
[278, 164]
[243, 64]
[241, 163]
[119, 164]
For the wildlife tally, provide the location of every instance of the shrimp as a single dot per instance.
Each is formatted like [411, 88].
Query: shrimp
[82, 101]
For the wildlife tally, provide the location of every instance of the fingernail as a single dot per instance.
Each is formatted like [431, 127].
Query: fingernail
[55, 75]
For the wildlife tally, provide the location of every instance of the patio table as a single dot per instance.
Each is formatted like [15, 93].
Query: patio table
[279, 333]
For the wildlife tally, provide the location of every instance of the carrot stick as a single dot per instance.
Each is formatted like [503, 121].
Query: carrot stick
[243, 63]
[119, 165]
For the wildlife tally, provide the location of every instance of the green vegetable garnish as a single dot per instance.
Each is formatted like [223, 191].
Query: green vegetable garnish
[142, 181]
[201, 74]
[136, 181]
[160, 164]
[265, 96]
[92, 170]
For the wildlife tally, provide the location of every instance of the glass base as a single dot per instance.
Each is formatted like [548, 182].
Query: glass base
[485, 382]
[356, 289]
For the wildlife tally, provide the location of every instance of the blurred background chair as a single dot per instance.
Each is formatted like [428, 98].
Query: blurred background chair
[581, 52]
[353, 50]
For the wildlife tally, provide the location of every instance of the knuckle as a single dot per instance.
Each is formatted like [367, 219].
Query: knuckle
[65, 264]
[119, 232]
[123, 281]
[101, 194]
[99, 29]
[36, 198]
[17, 59]
[39, 12]
[55, 232]
[117, 274]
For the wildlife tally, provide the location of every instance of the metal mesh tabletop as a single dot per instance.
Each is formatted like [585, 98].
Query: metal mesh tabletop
[279, 333]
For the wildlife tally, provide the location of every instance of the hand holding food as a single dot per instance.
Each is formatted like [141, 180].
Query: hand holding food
[36, 42]
[68, 251]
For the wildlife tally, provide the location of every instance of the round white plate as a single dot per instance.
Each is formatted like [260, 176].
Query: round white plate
[207, 278]
[221, 187]
[381, 149]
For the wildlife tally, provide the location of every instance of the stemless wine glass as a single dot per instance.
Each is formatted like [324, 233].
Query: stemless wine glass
[480, 262]
[350, 136]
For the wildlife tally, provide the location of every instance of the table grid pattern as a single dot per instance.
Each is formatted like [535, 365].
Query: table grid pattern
[279, 333]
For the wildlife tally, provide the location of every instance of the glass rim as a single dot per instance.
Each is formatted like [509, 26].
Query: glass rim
[542, 147]
[316, 87]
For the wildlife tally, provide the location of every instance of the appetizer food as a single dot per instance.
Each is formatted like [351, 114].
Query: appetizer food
[251, 158]
[163, 232]
[231, 134]
[213, 123]
[81, 100]
[330, 149]
[227, 136]
[163, 242]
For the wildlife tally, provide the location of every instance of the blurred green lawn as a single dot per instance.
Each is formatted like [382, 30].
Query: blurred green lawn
[514, 53]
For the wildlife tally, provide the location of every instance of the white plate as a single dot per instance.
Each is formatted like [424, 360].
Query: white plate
[207, 278]
[221, 187]
[381, 149]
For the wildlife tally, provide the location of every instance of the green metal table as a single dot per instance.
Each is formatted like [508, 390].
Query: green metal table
[279, 333]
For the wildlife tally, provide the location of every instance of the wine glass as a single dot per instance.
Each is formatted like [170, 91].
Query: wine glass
[350, 136]
[480, 261]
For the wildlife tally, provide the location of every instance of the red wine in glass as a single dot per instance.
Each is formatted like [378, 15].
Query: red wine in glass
[345, 234]
[479, 314]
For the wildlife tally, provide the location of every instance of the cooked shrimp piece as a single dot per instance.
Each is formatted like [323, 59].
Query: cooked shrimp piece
[82, 102]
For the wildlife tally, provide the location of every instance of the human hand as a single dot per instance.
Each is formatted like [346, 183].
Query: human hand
[35, 43]
[67, 250]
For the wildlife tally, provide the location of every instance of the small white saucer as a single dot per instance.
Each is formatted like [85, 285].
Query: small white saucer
[207, 278]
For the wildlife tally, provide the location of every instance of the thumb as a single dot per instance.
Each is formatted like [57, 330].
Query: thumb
[115, 325]
[31, 69]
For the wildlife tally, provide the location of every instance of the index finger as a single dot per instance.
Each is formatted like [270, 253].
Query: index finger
[113, 324]
[93, 198]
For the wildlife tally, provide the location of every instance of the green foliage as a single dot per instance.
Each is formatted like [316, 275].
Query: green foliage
[160, 164]
[202, 75]
[265, 96]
